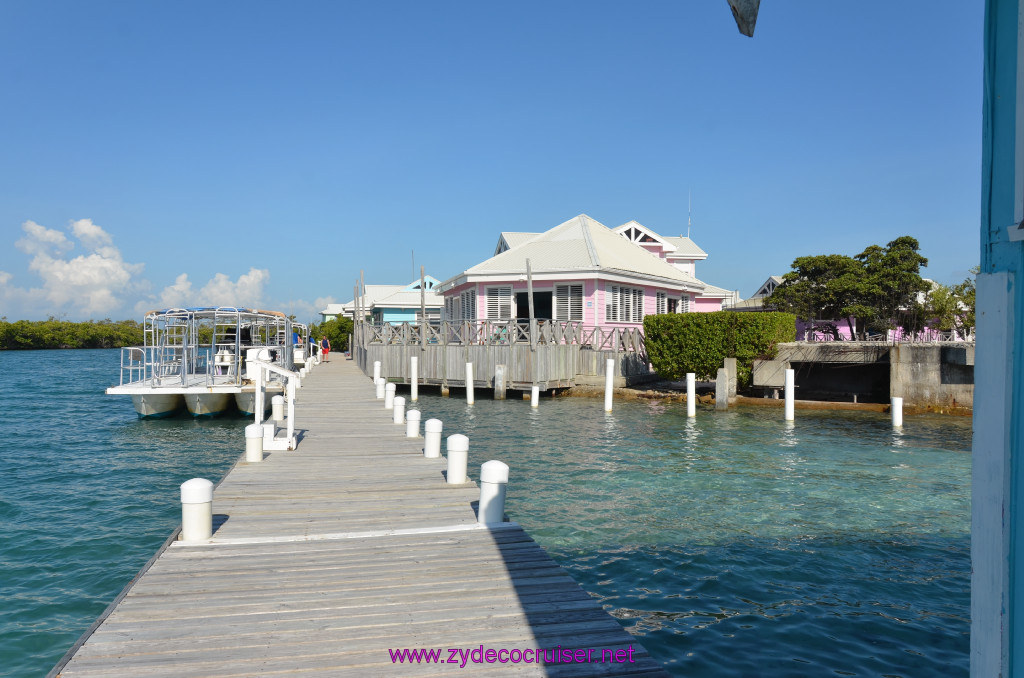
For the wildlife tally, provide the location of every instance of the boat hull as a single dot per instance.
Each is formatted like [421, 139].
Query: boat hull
[157, 405]
[207, 404]
[246, 402]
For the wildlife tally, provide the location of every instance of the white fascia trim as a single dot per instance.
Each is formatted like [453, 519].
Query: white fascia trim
[672, 258]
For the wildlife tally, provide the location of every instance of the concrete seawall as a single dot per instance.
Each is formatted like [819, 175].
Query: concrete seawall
[936, 377]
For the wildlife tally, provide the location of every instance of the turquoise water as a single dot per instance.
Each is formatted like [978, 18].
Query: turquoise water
[735, 545]
[730, 546]
[88, 492]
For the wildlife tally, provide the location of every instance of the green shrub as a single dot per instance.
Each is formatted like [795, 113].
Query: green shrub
[53, 333]
[678, 343]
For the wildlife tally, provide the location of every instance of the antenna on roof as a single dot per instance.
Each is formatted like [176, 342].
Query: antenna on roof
[689, 210]
[413, 264]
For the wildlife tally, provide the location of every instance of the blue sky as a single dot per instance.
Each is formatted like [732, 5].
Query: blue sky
[192, 152]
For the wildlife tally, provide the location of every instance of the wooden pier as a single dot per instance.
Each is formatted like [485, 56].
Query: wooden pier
[326, 558]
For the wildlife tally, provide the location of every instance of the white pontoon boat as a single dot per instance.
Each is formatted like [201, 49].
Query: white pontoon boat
[196, 358]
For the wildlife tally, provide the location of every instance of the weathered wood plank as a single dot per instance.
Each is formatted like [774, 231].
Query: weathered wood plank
[307, 573]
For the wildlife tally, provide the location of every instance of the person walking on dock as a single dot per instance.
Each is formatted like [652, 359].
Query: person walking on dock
[325, 348]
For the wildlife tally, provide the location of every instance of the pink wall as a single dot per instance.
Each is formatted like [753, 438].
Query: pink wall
[593, 298]
[705, 305]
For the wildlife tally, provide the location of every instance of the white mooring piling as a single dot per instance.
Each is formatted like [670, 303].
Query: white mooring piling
[609, 383]
[414, 368]
[897, 412]
[790, 383]
[376, 370]
[458, 458]
[254, 443]
[535, 396]
[196, 510]
[691, 394]
[389, 396]
[398, 411]
[469, 383]
[412, 424]
[493, 481]
[277, 408]
[432, 438]
[379, 384]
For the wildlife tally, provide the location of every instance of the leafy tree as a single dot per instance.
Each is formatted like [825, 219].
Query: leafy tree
[822, 286]
[942, 308]
[965, 294]
[892, 281]
[952, 307]
[336, 330]
[878, 287]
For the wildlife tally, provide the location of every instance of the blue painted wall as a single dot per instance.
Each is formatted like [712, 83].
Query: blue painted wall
[998, 565]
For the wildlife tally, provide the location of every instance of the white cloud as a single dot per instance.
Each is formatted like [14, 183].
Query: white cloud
[178, 294]
[4, 277]
[88, 285]
[90, 234]
[41, 240]
[247, 290]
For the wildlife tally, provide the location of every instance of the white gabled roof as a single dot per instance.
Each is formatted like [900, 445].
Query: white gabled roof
[406, 298]
[686, 248]
[674, 248]
[375, 294]
[509, 239]
[714, 292]
[580, 245]
[761, 290]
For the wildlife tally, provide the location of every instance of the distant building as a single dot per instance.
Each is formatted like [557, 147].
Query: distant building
[392, 303]
[756, 301]
[583, 271]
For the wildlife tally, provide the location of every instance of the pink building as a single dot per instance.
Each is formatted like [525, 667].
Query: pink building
[583, 271]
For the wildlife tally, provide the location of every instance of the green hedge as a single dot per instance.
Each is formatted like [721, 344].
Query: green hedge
[678, 343]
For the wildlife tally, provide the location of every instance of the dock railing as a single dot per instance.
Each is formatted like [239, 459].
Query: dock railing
[555, 354]
[502, 333]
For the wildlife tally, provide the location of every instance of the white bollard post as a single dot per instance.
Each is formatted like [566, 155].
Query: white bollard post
[277, 408]
[398, 411]
[376, 370]
[380, 388]
[432, 438]
[389, 396]
[458, 459]
[412, 424]
[790, 382]
[535, 396]
[691, 394]
[469, 383]
[196, 510]
[414, 368]
[493, 481]
[609, 383]
[253, 443]
[897, 412]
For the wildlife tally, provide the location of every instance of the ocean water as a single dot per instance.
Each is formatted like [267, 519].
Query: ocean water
[88, 493]
[737, 545]
[732, 545]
